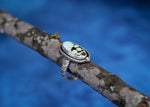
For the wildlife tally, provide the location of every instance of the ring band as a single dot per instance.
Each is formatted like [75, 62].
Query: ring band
[75, 53]
[64, 69]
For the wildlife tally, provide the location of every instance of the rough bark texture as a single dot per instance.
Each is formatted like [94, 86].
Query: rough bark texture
[104, 82]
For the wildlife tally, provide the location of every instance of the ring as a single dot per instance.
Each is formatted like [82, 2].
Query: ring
[75, 53]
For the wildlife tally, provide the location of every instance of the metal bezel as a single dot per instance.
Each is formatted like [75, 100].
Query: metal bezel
[72, 57]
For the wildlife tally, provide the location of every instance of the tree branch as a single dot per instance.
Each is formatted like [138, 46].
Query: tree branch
[104, 82]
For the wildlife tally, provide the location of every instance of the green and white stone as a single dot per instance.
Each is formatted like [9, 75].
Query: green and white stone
[74, 50]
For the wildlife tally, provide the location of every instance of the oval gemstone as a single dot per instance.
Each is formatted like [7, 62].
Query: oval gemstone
[74, 50]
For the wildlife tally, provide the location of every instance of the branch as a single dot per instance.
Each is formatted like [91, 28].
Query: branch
[104, 82]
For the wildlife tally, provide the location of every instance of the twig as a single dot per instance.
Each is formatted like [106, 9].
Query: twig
[104, 82]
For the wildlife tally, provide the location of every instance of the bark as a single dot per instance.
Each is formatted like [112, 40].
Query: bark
[104, 82]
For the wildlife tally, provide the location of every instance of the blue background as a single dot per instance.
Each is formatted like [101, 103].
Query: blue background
[115, 32]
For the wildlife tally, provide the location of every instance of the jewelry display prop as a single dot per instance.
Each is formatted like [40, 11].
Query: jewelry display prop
[48, 45]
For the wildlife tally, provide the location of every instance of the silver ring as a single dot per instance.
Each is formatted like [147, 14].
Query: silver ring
[75, 53]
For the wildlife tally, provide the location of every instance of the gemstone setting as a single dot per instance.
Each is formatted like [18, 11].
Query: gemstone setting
[74, 52]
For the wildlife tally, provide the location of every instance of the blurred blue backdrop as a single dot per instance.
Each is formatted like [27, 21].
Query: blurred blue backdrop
[115, 32]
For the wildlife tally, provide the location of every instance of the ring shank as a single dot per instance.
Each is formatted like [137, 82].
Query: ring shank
[64, 69]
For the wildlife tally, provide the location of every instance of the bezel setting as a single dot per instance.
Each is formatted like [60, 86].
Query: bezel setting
[72, 57]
